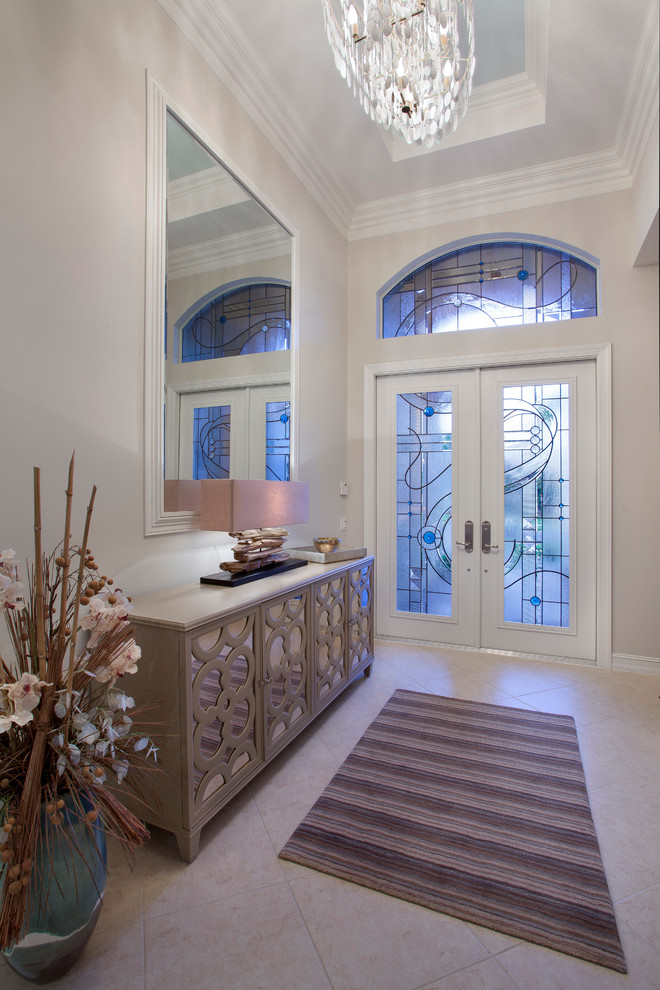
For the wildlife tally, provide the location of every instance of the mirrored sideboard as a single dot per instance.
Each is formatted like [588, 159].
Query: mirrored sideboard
[230, 676]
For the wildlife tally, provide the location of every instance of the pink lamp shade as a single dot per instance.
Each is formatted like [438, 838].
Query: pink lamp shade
[182, 496]
[235, 505]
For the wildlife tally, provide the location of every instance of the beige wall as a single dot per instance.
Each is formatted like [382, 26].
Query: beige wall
[73, 274]
[601, 226]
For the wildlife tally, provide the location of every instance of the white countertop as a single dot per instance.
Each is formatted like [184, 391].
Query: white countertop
[190, 604]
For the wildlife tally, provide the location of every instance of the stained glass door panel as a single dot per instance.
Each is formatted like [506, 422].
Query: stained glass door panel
[537, 499]
[212, 434]
[424, 502]
[278, 441]
[211, 442]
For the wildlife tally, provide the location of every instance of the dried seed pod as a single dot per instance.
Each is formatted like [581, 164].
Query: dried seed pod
[56, 818]
[59, 803]
[7, 828]
[7, 855]
[84, 600]
[25, 879]
[27, 865]
[112, 599]
[91, 816]
[4, 783]
[15, 871]
[98, 771]
[60, 561]
[15, 887]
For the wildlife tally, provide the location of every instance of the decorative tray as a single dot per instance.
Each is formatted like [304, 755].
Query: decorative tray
[311, 553]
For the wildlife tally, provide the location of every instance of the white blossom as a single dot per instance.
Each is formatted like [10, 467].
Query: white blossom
[121, 664]
[18, 700]
[11, 592]
[102, 615]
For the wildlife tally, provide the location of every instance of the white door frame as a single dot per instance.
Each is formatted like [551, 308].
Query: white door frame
[602, 355]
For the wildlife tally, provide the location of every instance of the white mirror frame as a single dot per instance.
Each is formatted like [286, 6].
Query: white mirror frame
[159, 101]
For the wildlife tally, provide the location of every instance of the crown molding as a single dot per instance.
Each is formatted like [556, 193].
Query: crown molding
[226, 49]
[212, 189]
[234, 249]
[641, 103]
[572, 178]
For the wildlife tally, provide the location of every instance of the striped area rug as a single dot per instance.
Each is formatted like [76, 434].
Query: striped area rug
[474, 810]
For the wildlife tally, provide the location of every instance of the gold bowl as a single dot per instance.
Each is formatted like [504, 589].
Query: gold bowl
[326, 544]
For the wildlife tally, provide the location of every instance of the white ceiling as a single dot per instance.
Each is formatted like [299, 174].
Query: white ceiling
[565, 95]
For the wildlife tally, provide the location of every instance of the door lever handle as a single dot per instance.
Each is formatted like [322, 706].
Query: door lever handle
[486, 545]
[469, 537]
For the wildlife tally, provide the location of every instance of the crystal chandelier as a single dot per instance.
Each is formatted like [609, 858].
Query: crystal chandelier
[402, 60]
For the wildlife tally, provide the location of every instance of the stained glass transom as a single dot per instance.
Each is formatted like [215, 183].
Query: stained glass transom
[424, 503]
[490, 285]
[247, 320]
[211, 442]
[536, 504]
[278, 440]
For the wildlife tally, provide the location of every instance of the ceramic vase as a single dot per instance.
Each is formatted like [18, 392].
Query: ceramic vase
[70, 873]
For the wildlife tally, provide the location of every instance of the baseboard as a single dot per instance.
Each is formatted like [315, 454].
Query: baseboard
[636, 665]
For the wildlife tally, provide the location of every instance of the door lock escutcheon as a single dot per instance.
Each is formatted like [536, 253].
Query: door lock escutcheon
[469, 537]
[486, 545]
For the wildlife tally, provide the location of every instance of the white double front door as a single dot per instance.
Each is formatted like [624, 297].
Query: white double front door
[486, 508]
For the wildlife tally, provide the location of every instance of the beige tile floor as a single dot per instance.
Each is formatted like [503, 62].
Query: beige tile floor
[240, 919]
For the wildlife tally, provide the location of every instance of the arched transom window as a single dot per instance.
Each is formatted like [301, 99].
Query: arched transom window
[249, 319]
[495, 284]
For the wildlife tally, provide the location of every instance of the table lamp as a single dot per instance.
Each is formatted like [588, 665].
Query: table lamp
[253, 512]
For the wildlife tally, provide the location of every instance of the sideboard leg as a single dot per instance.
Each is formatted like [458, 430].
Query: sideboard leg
[188, 843]
[367, 671]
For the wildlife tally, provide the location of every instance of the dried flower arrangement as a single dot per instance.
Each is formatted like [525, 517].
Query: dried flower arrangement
[64, 723]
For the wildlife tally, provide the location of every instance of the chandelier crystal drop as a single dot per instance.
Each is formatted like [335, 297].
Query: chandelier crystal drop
[402, 60]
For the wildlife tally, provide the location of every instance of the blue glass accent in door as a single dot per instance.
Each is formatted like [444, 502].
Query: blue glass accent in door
[424, 503]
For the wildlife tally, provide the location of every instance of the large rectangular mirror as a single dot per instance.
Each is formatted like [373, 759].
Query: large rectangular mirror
[219, 321]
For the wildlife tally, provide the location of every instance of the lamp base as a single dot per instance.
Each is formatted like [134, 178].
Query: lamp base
[230, 580]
